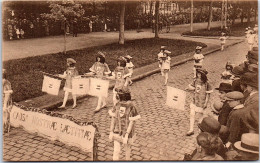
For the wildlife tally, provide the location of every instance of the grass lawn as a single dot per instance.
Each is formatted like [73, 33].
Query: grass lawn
[237, 30]
[26, 79]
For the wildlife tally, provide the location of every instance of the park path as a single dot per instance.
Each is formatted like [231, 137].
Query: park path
[53, 44]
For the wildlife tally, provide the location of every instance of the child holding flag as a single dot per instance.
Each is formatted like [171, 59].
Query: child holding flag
[70, 73]
[202, 90]
[130, 67]
[166, 65]
[100, 69]
[198, 60]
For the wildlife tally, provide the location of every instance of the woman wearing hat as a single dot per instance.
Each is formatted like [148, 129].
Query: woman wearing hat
[69, 74]
[202, 90]
[100, 69]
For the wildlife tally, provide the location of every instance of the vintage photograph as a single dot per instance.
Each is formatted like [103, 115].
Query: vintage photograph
[140, 80]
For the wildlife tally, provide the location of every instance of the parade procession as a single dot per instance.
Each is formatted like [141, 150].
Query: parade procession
[130, 81]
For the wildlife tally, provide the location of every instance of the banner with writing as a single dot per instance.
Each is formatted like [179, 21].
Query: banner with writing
[175, 98]
[51, 85]
[80, 86]
[54, 128]
[98, 87]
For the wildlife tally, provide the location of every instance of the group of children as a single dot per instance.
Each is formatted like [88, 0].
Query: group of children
[252, 37]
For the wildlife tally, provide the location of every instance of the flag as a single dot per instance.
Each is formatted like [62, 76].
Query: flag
[98, 87]
[80, 86]
[51, 85]
[175, 98]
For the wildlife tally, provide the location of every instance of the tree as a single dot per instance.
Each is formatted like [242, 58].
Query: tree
[210, 14]
[64, 11]
[156, 18]
[191, 16]
[122, 23]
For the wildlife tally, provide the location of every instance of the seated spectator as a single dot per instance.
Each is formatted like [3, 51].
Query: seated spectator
[234, 122]
[246, 149]
[237, 71]
[208, 144]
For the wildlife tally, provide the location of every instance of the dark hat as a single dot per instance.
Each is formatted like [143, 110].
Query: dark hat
[235, 95]
[70, 61]
[217, 106]
[255, 48]
[224, 87]
[210, 125]
[202, 70]
[101, 54]
[252, 54]
[238, 70]
[250, 78]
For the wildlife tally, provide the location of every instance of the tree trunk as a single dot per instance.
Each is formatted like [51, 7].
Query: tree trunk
[94, 9]
[65, 41]
[248, 14]
[151, 7]
[225, 20]
[122, 24]
[156, 19]
[256, 14]
[191, 16]
[235, 15]
[210, 15]
[222, 13]
[242, 16]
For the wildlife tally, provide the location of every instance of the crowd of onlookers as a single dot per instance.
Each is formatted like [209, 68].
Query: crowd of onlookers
[230, 131]
[22, 26]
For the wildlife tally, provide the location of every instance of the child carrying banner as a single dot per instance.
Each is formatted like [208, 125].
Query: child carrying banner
[121, 75]
[100, 69]
[198, 60]
[202, 90]
[122, 128]
[70, 73]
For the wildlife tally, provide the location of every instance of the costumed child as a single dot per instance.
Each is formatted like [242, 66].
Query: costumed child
[130, 67]
[160, 55]
[251, 40]
[227, 76]
[121, 75]
[166, 65]
[7, 102]
[100, 69]
[122, 128]
[198, 60]
[202, 90]
[222, 40]
[70, 73]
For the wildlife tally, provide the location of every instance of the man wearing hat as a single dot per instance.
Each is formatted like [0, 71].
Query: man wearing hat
[237, 71]
[234, 123]
[252, 57]
[223, 89]
[198, 59]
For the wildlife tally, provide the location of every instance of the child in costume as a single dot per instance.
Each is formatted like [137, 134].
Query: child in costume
[130, 67]
[70, 73]
[166, 65]
[7, 102]
[222, 40]
[160, 56]
[122, 129]
[120, 73]
[100, 69]
[198, 60]
[202, 90]
[227, 76]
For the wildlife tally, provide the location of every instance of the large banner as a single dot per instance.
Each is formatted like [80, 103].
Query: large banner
[51, 85]
[98, 87]
[54, 128]
[175, 98]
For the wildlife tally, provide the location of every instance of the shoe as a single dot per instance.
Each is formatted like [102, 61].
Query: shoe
[97, 110]
[74, 106]
[189, 133]
[61, 107]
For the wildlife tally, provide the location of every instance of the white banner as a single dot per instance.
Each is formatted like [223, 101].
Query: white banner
[80, 86]
[99, 87]
[51, 85]
[54, 128]
[175, 98]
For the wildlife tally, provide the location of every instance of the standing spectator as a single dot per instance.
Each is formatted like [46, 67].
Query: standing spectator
[90, 25]
[75, 28]
[46, 27]
[31, 31]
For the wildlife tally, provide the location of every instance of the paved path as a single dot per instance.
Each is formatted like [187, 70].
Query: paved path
[54, 44]
[161, 130]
